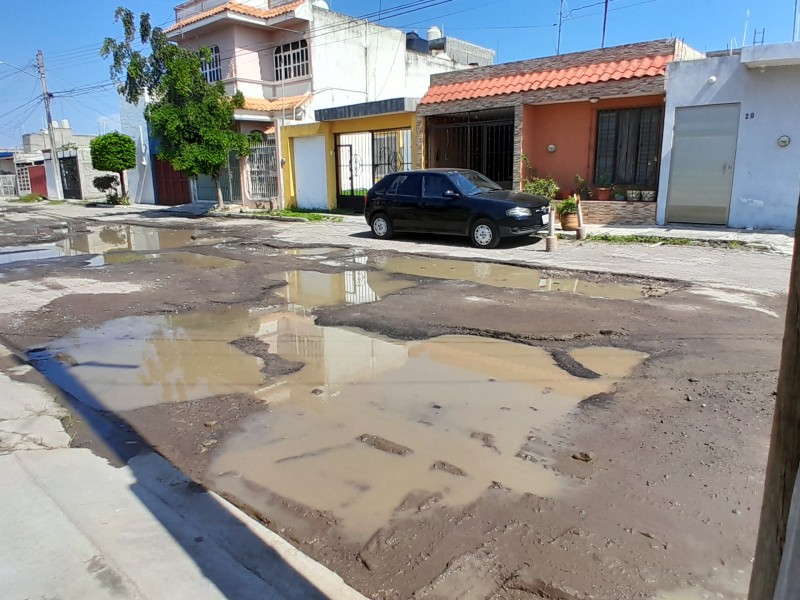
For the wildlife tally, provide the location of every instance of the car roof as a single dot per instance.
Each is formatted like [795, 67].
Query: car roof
[435, 170]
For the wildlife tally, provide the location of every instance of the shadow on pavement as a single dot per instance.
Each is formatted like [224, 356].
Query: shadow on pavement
[182, 506]
[453, 241]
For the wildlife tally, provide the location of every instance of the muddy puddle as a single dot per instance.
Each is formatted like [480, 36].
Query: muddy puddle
[369, 429]
[506, 276]
[105, 242]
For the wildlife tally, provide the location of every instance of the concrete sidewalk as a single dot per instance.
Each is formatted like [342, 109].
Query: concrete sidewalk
[75, 527]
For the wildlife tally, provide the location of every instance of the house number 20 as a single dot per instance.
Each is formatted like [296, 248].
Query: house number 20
[750, 115]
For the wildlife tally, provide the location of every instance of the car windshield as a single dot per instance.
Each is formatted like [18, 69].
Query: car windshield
[472, 182]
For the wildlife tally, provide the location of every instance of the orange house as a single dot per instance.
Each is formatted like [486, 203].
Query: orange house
[597, 114]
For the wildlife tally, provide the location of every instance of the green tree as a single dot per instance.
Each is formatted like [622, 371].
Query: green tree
[191, 118]
[114, 152]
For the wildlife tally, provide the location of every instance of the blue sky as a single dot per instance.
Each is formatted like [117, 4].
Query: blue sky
[70, 33]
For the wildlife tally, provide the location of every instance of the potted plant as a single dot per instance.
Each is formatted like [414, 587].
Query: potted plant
[633, 195]
[648, 195]
[619, 194]
[583, 187]
[604, 189]
[567, 211]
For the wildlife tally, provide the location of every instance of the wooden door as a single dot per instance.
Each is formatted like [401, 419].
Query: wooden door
[172, 187]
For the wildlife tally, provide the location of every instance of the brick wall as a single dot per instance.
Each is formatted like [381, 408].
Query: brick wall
[614, 212]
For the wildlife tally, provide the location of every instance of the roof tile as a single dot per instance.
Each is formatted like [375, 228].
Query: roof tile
[275, 104]
[236, 7]
[649, 66]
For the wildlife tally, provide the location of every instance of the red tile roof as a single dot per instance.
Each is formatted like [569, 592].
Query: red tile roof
[524, 82]
[276, 104]
[235, 7]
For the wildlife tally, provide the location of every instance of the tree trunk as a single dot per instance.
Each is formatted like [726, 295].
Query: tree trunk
[784, 451]
[122, 182]
[218, 189]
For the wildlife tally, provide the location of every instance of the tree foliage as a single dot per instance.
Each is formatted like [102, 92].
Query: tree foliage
[113, 152]
[191, 118]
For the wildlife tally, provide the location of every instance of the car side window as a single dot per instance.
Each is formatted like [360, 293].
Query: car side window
[409, 186]
[396, 184]
[434, 186]
[383, 184]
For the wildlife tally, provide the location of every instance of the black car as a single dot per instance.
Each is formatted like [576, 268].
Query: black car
[455, 202]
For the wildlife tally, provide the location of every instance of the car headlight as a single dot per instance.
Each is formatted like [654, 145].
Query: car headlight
[518, 211]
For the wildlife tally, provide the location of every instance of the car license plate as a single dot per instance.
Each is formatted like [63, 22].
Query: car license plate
[545, 219]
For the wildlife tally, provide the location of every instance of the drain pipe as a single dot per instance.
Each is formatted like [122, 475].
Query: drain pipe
[551, 242]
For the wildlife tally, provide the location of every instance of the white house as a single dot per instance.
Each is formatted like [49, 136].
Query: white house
[731, 145]
[294, 59]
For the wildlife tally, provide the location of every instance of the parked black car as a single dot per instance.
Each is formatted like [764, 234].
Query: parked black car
[454, 202]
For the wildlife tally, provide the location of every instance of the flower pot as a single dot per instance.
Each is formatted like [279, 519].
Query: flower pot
[603, 193]
[632, 195]
[569, 221]
[648, 195]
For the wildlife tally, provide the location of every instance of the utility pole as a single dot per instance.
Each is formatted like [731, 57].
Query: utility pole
[53, 149]
[784, 454]
[605, 20]
[560, 20]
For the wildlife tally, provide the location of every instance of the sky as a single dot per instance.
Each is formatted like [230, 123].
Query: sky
[70, 33]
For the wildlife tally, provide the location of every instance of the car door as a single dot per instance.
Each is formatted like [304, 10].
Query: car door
[403, 200]
[440, 210]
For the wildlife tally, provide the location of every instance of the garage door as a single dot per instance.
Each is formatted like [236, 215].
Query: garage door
[701, 171]
[310, 172]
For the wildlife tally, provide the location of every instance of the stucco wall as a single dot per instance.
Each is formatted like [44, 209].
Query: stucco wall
[572, 128]
[139, 180]
[766, 178]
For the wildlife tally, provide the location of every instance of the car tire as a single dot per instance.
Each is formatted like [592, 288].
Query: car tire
[484, 234]
[381, 226]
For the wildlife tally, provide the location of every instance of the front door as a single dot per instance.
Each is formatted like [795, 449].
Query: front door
[701, 171]
[310, 172]
[70, 177]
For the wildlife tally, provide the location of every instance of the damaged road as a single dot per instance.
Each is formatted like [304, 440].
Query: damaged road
[425, 427]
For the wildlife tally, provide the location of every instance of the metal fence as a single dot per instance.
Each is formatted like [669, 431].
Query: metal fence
[263, 174]
[8, 185]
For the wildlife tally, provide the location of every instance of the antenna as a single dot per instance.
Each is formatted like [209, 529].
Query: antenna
[794, 23]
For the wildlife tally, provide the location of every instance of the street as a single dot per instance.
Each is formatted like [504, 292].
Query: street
[423, 418]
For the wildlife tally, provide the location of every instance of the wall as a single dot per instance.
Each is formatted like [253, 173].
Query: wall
[139, 180]
[572, 128]
[329, 129]
[618, 213]
[766, 178]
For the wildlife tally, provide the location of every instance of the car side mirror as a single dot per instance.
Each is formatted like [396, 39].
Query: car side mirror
[451, 194]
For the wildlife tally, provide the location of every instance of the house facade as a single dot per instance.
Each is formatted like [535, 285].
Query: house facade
[731, 148]
[34, 164]
[597, 114]
[297, 63]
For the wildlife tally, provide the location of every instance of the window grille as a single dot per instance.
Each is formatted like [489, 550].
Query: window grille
[212, 69]
[628, 144]
[291, 60]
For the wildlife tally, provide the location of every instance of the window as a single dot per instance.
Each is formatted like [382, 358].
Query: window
[628, 145]
[434, 186]
[291, 60]
[212, 69]
[405, 185]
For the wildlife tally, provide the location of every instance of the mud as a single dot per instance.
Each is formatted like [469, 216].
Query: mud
[490, 384]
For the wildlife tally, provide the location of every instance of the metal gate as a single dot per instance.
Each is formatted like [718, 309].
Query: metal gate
[483, 141]
[264, 170]
[8, 186]
[263, 174]
[70, 177]
[362, 159]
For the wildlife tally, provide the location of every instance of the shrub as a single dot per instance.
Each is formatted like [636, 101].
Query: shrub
[541, 186]
[29, 198]
[108, 184]
[566, 207]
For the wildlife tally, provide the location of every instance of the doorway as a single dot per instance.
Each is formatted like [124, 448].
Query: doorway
[701, 170]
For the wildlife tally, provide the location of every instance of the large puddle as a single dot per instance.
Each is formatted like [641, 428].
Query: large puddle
[369, 429]
[506, 276]
[104, 242]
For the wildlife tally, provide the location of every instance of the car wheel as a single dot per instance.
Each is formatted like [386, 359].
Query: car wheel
[381, 227]
[484, 234]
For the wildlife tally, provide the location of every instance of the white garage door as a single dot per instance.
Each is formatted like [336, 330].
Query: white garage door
[310, 173]
[701, 172]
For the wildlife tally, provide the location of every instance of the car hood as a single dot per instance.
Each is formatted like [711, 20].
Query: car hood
[518, 198]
